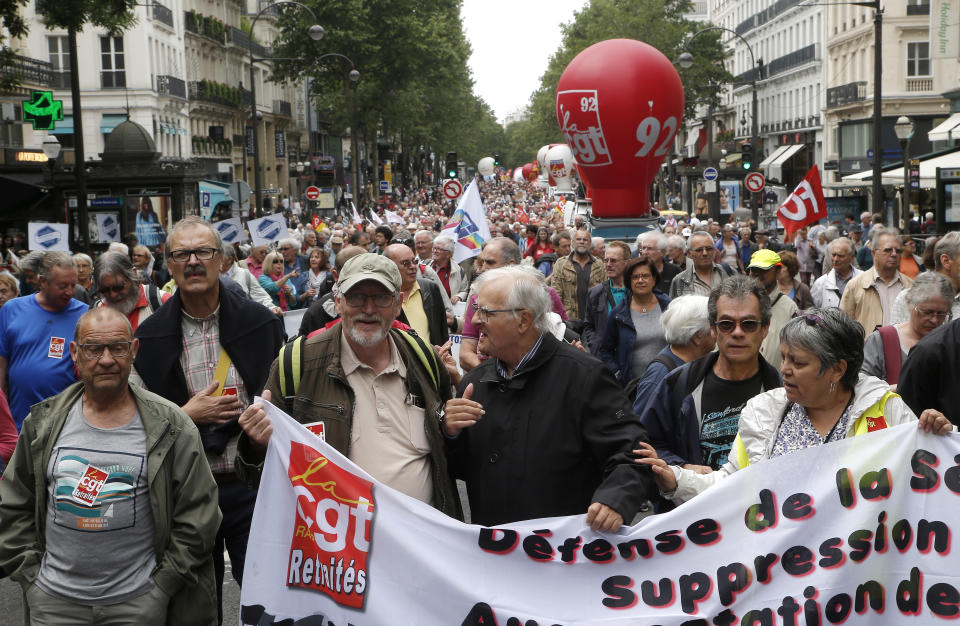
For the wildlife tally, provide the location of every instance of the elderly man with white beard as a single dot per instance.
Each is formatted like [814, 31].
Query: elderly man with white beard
[374, 389]
[120, 288]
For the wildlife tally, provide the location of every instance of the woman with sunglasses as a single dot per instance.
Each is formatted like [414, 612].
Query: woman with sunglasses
[824, 399]
[634, 334]
[928, 301]
[277, 284]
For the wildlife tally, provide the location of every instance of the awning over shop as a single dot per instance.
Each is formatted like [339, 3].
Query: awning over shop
[770, 157]
[212, 193]
[946, 130]
[64, 126]
[776, 167]
[109, 121]
[928, 171]
[733, 158]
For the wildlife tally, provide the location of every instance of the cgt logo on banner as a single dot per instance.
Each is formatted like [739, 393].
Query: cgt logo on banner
[858, 532]
[331, 538]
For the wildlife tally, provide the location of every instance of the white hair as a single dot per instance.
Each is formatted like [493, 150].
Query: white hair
[289, 241]
[527, 291]
[658, 238]
[444, 242]
[684, 319]
[116, 246]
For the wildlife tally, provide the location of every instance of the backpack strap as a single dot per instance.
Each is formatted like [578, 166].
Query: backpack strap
[421, 349]
[153, 297]
[666, 361]
[290, 364]
[892, 355]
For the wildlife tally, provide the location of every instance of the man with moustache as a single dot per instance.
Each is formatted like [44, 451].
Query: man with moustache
[376, 391]
[120, 288]
[208, 350]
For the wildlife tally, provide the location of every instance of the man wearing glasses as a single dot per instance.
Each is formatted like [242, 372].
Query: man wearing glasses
[869, 297]
[540, 428]
[120, 288]
[106, 468]
[705, 275]
[364, 386]
[422, 308]
[208, 350]
[692, 416]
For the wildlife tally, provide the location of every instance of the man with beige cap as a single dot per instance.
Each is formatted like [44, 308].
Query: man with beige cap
[373, 390]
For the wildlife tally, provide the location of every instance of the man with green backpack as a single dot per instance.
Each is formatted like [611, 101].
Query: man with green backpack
[369, 387]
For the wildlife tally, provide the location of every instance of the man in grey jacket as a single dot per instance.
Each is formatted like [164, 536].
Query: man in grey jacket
[108, 510]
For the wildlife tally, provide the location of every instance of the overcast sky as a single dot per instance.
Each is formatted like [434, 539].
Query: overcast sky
[512, 41]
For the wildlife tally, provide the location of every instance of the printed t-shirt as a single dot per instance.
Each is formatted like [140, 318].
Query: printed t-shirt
[720, 407]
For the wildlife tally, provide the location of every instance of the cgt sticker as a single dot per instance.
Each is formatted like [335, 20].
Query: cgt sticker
[90, 485]
[334, 524]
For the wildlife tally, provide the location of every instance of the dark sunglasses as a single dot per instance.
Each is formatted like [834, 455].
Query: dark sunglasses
[748, 326]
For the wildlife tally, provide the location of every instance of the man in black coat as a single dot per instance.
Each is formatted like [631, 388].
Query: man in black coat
[543, 429]
[209, 351]
[928, 379]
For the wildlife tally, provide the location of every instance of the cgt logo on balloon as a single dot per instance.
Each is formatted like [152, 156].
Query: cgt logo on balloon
[580, 125]
[331, 536]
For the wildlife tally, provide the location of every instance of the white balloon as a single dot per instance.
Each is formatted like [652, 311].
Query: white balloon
[559, 160]
[518, 174]
[485, 166]
[542, 162]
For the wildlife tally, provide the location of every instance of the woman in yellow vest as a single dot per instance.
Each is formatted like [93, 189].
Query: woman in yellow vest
[824, 398]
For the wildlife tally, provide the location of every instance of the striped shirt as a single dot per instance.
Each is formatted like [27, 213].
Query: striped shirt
[502, 369]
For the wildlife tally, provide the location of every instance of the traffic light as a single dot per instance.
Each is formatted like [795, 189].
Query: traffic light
[452, 167]
[746, 156]
[496, 160]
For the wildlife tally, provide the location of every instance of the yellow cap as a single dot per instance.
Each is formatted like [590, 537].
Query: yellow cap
[764, 259]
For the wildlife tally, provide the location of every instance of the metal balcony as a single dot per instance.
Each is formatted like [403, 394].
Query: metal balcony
[847, 94]
[162, 14]
[30, 72]
[282, 107]
[171, 86]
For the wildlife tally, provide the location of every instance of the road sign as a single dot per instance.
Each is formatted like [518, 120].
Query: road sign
[452, 189]
[312, 193]
[385, 186]
[754, 182]
[239, 191]
[710, 173]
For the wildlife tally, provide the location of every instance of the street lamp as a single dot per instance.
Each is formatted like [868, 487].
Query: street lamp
[51, 150]
[686, 61]
[354, 76]
[904, 130]
[315, 33]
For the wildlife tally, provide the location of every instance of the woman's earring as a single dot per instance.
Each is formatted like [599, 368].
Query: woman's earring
[832, 387]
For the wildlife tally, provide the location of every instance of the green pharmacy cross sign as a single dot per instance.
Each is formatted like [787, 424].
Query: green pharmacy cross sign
[42, 110]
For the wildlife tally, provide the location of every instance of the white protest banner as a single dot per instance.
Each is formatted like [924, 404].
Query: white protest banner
[266, 230]
[857, 532]
[292, 320]
[108, 228]
[44, 236]
[231, 230]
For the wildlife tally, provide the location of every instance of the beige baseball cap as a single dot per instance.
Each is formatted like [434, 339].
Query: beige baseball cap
[368, 266]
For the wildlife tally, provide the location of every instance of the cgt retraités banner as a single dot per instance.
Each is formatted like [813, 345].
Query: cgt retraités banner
[856, 532]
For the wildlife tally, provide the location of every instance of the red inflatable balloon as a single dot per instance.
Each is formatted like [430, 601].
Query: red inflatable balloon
[530, 172]
[619, 104]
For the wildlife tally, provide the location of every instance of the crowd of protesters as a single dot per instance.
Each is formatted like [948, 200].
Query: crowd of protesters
[628, 372]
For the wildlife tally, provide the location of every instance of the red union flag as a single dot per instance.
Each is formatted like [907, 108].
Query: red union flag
[580, 124]
[805, 205]
[331, 535]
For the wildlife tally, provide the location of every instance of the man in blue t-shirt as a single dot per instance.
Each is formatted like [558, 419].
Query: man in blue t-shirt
[35, 331]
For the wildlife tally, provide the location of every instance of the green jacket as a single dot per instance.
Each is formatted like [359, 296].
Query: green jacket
[183, 497]
[325, 395]
[564, 281]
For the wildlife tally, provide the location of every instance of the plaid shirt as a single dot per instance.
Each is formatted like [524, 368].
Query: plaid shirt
[201, 350]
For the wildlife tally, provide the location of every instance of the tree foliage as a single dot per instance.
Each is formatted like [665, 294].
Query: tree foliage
[415, 87]
[659, 23]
